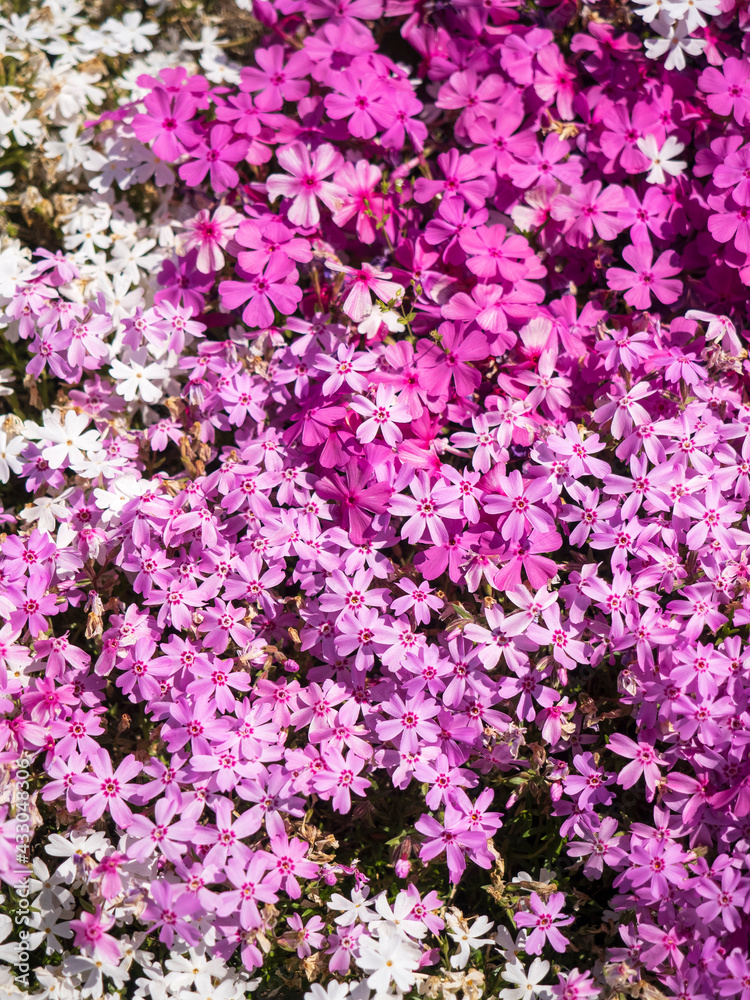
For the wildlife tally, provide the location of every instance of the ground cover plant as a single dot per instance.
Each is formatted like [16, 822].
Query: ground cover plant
[374, 468]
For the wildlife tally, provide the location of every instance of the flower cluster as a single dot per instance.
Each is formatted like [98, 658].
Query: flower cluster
[375, 454]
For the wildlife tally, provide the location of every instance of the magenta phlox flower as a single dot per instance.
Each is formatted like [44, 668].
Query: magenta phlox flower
[554, 81]
[462, 178]
[359, 100]
[450, 360]
[623, 129]
[275, 287]
[355, 495]
[491, 306]
[455, 838]
[729, 221]
[648, 277]
[372, 208]
[587, 208]
[269, 242]
[398, 116]
[167, 125]
[526, 556]
[543, 166]
[475, 96]
[247, 118]
[499, 145]
[216, 158]
[361, 281]
[278, 78]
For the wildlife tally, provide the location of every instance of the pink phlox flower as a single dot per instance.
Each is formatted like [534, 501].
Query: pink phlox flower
[91, 936]
[624, 408]
[497, 147]
[248, 119]
[418, 598]
[546, 919]
[455, 838]
[107, 790]
[306, 184]
[504, 638]
[411, 720]
[341, 778]
[725, 901]
[700, 607]
[305, 937]
[519, 502]
[288, 857]
[424, 512]
[361, 281]
[493, 253]
[381, 416]
[728, 88]
[599, 845]
[398, 116]
[171, 839]
[209, 235]
[554, 81]
[589, 785]
[729, 221]
[588, 515]
[645, 761]
[442, 779]
[623, 129]
[360, 181]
